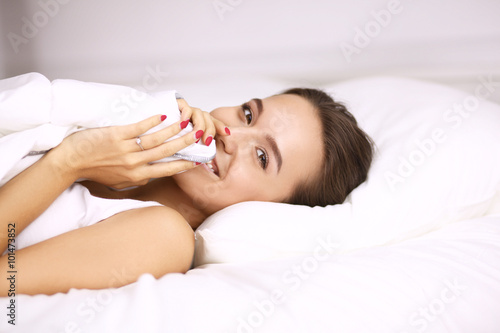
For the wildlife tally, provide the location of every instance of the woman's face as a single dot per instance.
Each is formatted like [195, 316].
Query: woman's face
[275, 144]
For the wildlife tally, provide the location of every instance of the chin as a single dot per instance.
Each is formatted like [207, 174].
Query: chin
[195, 181]
[185, 176]
[205, 189]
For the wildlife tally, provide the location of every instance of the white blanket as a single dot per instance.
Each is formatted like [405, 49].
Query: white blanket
[36, 115]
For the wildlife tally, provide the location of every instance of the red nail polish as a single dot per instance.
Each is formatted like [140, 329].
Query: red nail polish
[163, 117]
[208, 141]
[197, 141]
[197, 163]
[199, 134]
[228, 132]
[184, 124]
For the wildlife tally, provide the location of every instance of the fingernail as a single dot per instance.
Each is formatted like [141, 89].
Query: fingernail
[198, 134]
[228, 132]
[197, 163]
[184, 124]
[163, 117]
[197, 141]
[208, 141]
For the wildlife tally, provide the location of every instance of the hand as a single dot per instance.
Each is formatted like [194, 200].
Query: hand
[202, 120]
[111, 156]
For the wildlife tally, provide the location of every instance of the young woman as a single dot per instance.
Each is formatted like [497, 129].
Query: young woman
[297, 147]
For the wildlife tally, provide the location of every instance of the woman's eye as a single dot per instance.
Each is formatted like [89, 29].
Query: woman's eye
[248, 115]
[262, 157]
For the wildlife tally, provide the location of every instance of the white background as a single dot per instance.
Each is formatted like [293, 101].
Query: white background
[223, 48]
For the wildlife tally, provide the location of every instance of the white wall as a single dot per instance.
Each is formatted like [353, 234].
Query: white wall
[290, 41]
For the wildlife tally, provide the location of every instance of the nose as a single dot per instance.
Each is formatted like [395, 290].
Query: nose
[236, 142]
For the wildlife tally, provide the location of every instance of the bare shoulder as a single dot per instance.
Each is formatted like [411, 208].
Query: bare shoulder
[154, 240]
[155, 216]
[162, 232]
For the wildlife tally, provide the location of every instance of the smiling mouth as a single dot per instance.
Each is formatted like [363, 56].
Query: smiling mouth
[212, 167]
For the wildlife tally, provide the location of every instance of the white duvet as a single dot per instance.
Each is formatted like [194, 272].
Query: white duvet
[37, 114]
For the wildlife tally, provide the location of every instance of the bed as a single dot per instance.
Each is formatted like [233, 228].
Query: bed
[416, 248]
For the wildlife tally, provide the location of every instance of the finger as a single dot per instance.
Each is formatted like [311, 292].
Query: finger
[159, 170]
[124, 185]
[198, 121]
[209, 134]
[141, 127]
[220, 127]
[185, 110]
[157, 138]
[165, 149]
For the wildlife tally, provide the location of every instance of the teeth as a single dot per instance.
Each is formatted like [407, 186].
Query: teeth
[211, 166]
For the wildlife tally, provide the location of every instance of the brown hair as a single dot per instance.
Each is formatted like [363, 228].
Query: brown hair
[347, 153]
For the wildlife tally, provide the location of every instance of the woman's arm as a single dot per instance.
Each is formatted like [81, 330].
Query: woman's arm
[107, 155]
[158, 242]
[30, 193]
[112, 253]
[153, 240]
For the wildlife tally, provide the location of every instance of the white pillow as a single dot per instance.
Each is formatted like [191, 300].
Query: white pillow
[437, 162]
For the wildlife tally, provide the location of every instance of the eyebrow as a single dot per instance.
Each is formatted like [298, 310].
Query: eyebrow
[270, 139]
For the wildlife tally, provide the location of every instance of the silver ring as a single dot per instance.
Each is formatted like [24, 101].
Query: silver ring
[138, 141]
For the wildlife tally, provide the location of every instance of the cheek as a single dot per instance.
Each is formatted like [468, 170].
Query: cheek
[250, 185]
[240, 184]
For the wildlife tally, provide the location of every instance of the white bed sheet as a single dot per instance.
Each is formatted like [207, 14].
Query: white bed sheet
[445, 281]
